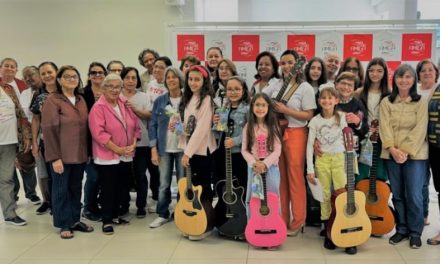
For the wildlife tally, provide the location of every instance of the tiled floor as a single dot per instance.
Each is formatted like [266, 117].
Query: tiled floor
[39, 242]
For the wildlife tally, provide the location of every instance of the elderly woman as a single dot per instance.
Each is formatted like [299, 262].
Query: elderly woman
[405, 150]
[64, 124]
[115, 130]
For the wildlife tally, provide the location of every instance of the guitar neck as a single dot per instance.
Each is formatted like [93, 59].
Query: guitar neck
[188, 177]
[373, 169]
[350, 178]
[264, 202]
[228, 171]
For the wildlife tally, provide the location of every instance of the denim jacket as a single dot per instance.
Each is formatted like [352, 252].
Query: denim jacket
[158, 125]
[239, 116]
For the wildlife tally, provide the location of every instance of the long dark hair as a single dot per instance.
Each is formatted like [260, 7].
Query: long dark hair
[384, 89]
[206, 89]
[403, 68]
[245, 97]
[323, 78]
[270, 121]
[128, 69]
[299, 77]
[273, 60]
[60, 75]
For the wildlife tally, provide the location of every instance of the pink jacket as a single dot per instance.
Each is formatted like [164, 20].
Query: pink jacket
[105, 124]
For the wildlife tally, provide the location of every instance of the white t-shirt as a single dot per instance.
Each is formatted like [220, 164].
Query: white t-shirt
[72, 99]
[8, 120]
[303, 99]
[426, 94]
[154, 90]
[140, 100]
[373, 106]
[25, 101]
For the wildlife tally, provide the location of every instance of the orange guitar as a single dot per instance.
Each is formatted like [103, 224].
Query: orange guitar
[349, 224]
[378, 194]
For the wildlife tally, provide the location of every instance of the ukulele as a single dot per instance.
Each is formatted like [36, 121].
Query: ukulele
[190, 214]
[230, 210]
[349, 224]
[377, 193]
[265, 228]
[280, 95]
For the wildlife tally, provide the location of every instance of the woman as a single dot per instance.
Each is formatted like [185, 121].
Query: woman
[267, 73]
[226, 69]
[48, 71]
[164, 139]
[115, 66]
[146, 59]
[427, 74]
[64, 125]
[187, 62]
[115, 130]
[371, 94]
[353, 65]
[92, 92]
[298, 111]
[405, 150]
[138, 103]
[213, 56]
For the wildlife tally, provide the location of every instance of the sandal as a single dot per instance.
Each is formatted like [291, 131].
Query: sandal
[66, 233]
[433, 242]
[107, 229]
[82, 227]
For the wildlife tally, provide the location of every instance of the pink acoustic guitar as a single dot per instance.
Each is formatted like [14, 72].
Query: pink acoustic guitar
[265, 228]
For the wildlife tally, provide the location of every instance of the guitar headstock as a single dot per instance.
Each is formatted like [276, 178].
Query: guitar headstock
[375, 136]
[190, 125]
[262, 146]
[231, 125]
[348, 139]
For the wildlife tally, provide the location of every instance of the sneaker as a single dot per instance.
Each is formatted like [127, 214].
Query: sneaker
[328, 244]
[397, 238]
[17, 221]
[351, 250]
[152, 206]
[200, 237]
[44, 208]
[34, 200]
[141, 213]
[415, 242]
[120, 221]
[158, 222]
[91, 216]
[107, 229]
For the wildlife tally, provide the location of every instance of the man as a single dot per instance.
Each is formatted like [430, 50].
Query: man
[332, 62]
[8, 70]
[146, 58]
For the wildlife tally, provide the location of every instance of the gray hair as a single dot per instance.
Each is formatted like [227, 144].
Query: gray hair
[111, 77]
[177, 72]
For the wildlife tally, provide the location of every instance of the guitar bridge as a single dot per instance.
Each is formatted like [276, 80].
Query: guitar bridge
[265, 231]
[351, 230]
[375, 218]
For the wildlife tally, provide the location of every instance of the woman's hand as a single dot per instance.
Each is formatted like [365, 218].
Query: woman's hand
[155, 159]
[281, 108]
[398, 155]
[185, 161]
[58, 166]
[229, 143]
[215, 118]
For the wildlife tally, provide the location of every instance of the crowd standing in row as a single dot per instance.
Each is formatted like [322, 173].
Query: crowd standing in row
[132, 123]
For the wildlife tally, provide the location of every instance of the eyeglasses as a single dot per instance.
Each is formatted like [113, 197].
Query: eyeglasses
[71, 77]
[113, 87]
[96, 73]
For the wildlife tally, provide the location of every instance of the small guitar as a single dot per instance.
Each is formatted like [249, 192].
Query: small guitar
[230, 210]
[349, 224]
[190, 215]
[280, 95]
[377, 193]
[265, 228]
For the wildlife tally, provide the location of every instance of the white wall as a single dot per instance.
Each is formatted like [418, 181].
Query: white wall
[78, 32]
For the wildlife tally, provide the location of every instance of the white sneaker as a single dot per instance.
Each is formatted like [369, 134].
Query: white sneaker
[158, 222]
[152, 204]
[200, 237]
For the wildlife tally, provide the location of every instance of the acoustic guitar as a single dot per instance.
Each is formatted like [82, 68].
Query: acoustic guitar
[230, 210]
[280, 95]
[349, 224]
[190, 215]
[265, 228]
[377, 193]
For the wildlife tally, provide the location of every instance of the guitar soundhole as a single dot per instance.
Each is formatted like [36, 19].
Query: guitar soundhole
[350, 209]
[264, 210]
[372, 198]
[189, 194]
[229, 198]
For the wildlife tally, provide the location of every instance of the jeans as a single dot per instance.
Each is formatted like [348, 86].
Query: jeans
[166, 166]
[406, 182]
[425, 191]
[7, 167]
[91, 189]
[66, 195]
[29, 182]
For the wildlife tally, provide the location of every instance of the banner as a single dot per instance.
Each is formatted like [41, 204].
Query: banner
[191, 45]
[416, 46]
[303, 44]
[245, 47]
[359, 46]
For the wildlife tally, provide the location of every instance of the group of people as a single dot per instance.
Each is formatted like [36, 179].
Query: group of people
[123, 124]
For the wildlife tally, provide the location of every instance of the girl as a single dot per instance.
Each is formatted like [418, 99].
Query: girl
[237, 95]
[326, 127]
[405, 150]
[197, 102]
[262, 120]
[298, 110]
[187, 62]
[315, 73]
[226, 69]
[214, 55]
[374, 90]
